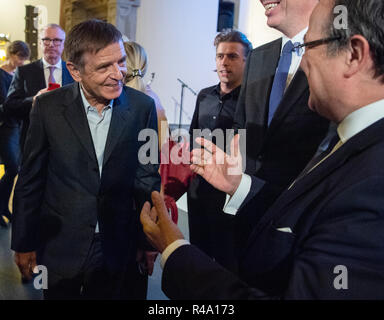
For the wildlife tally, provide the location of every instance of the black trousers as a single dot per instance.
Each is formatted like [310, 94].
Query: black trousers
[96, 282]
[10, 157]
[210, 229]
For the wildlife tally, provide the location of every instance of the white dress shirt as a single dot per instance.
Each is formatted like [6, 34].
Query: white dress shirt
[57, 73]
[352, 124]
[296, 58]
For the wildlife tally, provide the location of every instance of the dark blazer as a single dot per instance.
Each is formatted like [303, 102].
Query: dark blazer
[27, 82]
[60, 196]
[278, 153]
[336, 214]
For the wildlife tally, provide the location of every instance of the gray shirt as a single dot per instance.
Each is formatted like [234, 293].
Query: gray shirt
[99, 127]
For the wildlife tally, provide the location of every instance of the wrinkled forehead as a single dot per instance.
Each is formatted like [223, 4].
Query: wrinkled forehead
[52, 32]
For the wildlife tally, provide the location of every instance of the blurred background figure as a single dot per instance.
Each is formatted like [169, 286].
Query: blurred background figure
[137, 65]
[17, 53]
[209, 228]
[35, 78]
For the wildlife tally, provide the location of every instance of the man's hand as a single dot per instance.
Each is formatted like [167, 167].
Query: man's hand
[146, 261]
[221, 170]
[39, 93]
[157, 224]
[26, 262]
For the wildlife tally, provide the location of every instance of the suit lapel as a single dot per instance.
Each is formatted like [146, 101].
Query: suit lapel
[66, 76]
[295, 90]
[358, 143]
[39, 77]
[77, 119]
[119, 121]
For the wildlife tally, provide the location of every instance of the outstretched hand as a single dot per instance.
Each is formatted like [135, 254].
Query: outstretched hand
[160, 230]
[221, 170]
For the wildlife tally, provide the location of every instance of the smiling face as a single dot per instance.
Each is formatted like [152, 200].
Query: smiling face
[230, 63]
[102, 74]
[288, 16]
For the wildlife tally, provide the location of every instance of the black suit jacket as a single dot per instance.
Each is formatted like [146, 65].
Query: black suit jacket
[27, 82]
[336, 215]
[60, 196]
[278, 153]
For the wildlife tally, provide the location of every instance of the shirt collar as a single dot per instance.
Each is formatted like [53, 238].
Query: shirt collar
[87, 105]
[58, 65]
[297, 38]
[360, 119]
[217, 90]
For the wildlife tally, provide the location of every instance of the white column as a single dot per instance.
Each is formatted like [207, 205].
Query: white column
[126, 17]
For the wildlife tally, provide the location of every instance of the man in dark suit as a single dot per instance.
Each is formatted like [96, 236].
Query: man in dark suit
[323, 237]
[282, 133]
[81, 179]
[33, 79]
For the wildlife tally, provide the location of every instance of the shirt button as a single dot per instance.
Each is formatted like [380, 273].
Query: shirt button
[214, 117]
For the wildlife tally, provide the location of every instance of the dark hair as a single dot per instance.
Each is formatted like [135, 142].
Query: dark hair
[19, 48]
[234, 36]
[366, 18]
[89, 36]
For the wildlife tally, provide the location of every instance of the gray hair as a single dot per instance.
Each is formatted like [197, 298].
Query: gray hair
[51, 25]
[365, 18]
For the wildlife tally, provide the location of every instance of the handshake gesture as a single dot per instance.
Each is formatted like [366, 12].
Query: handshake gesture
[221, 170]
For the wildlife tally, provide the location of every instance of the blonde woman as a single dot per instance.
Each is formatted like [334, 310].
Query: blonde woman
[136, 68]
[172, 176]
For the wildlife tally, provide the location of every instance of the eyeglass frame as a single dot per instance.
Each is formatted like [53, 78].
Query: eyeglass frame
[56, 42]
[313, 44]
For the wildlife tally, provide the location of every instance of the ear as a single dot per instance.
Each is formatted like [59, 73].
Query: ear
[358, 57]
[74, 71]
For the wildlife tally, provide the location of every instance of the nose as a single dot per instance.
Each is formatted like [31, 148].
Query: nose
[118, 72]
[225, 60]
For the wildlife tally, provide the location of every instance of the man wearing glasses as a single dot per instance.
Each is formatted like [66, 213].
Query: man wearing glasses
[35, 78]
[323, 237]
[282, 133]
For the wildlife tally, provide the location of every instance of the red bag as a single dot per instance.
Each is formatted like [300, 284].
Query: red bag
[175, 173]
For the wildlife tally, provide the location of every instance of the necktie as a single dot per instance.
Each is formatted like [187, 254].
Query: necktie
[280, 79]
[51, 78]
[319, 158]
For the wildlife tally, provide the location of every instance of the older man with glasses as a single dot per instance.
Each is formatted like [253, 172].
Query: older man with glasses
[37, 77]
[323, 237]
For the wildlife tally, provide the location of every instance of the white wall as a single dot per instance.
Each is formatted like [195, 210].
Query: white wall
[13, 13]
[178, 37]
[253, 22]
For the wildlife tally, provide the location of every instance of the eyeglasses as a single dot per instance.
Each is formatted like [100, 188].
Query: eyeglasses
[55, 41]
[312, 44]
